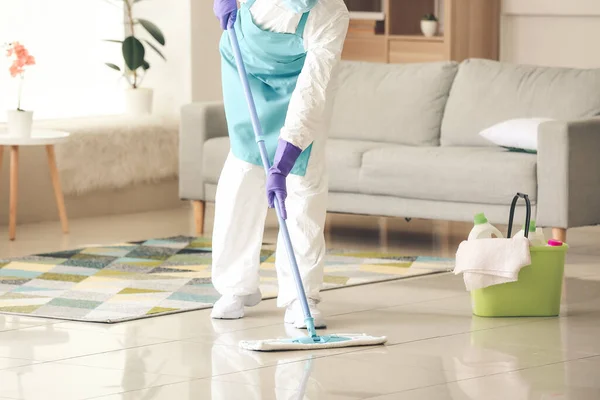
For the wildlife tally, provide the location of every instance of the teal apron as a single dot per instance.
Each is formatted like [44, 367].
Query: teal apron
[273, 63]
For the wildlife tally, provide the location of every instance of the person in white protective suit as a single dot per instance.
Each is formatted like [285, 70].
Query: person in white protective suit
[290, 49]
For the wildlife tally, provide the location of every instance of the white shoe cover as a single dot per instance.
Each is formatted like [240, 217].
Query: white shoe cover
[295, 316]
[253, 299]
[232, 307]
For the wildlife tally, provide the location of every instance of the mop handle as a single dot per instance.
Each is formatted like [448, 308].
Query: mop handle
[266, 164]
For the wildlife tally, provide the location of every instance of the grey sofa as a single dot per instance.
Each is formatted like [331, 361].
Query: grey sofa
[404, 142]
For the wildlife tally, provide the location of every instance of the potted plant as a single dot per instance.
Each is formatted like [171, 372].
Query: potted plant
[429, 25]
[19, 120]
[138, 100]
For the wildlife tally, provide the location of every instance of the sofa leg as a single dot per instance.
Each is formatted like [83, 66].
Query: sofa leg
[559, 234]
[383, 233]
[198, 207]
[327, 227]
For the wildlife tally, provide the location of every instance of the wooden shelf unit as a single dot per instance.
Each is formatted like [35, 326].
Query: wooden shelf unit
[416, 38]
[471, 29]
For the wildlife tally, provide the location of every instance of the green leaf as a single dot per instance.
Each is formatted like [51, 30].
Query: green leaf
[153, 30]
[133, 53]
[156, 49]
[146, 65]
[113, 41]
[113, 66]
[136, 1]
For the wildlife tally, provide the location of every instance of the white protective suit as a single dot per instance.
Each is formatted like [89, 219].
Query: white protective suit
[241, 203]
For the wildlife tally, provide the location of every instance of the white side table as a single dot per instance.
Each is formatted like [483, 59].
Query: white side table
[38, 137]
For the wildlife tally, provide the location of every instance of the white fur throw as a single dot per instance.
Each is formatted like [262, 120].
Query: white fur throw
[115, 152]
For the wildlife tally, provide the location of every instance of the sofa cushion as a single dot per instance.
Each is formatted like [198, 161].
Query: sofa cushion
[485, 175]
[486, 92]
[213, 159]
[400, 104]
[344, 158]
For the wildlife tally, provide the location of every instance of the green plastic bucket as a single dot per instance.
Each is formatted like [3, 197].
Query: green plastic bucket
[537, 293]
[538, 290]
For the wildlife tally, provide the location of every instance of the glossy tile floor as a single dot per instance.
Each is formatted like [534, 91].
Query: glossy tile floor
[436, 349]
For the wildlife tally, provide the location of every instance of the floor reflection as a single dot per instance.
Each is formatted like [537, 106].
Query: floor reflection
[487, 351]
[293, 372]
[25, 348]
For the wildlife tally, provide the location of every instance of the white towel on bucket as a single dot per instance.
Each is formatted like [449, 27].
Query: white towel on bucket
[487, 262]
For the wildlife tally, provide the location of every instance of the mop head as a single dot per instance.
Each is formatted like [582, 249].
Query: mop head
[309, 343]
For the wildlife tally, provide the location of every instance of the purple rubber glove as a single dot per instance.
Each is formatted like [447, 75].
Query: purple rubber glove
[285, 158]
[226, 12]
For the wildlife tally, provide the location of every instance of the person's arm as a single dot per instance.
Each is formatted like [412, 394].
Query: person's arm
[324, 37]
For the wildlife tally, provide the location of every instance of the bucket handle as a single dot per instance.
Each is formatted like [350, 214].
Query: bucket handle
[512, 213]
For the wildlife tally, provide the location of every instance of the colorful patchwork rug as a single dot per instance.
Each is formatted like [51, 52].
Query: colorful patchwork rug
[135, 280]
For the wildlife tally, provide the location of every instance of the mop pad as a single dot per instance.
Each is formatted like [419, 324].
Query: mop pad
[487, 262]
[307, 343]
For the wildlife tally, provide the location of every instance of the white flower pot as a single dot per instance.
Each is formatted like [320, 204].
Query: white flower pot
[429, 28]
[138, 101]
[19, 123]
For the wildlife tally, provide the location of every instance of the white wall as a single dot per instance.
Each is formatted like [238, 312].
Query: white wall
[551, 32]
[171, 80]
[206, 60]
[192, 71]
[65, 37]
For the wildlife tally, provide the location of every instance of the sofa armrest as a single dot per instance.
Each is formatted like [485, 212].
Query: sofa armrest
[199, 122]
[569, 173]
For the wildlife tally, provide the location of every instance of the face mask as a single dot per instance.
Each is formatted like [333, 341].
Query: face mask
[300, 6]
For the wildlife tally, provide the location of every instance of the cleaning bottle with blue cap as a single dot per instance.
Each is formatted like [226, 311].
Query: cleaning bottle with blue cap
[483, 229]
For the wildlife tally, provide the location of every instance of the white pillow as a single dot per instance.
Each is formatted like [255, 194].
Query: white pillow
[515, 134]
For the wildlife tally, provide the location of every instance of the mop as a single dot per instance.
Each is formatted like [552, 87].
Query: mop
[312, 341]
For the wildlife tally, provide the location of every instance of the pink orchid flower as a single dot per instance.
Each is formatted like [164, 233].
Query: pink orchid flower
[20, 58]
